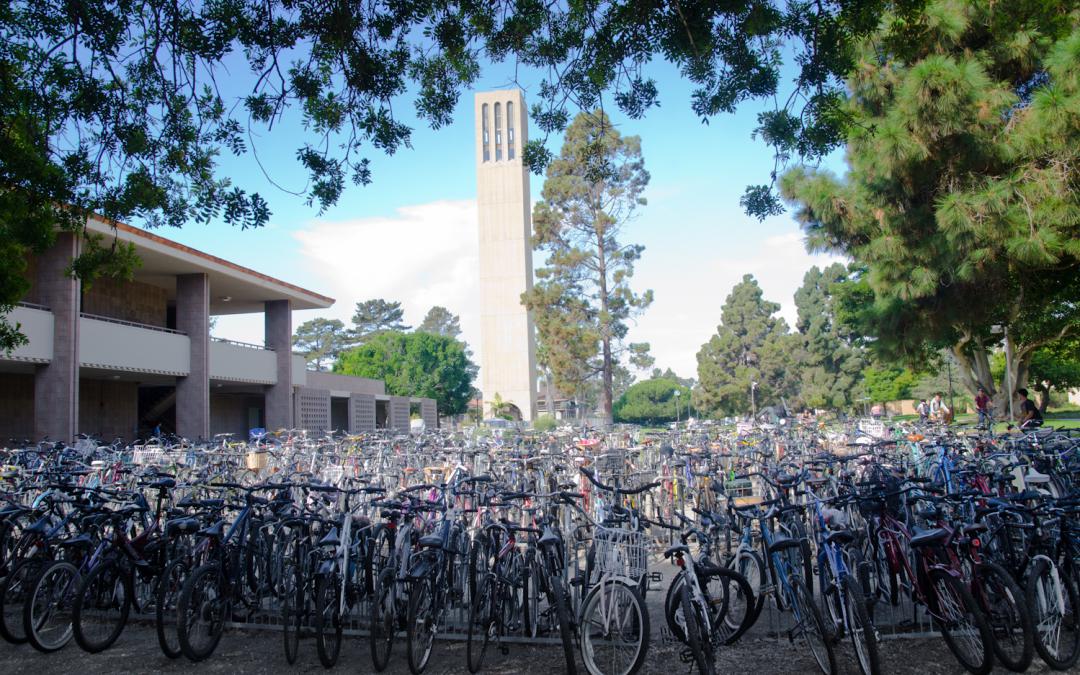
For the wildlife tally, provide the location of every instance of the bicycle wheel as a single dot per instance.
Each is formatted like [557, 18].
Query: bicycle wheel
[1006, 610]
[532, 593]
[860, 629]
[328, 619]
[614, 629]
[102, 604]
[201, 612]
[810, 627]
[961, 623]
[292, 603]
[420, 635]
[12, 598]
[383, 618]
[168, 596]
[483, 611]
[731, 603]
[48, 610]
[700, 645]
[1052, 600]
[560, 599]
[751, 567]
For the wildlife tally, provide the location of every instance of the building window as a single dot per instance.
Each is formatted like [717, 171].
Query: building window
[484, 130]
[498, 131]
[509, 130]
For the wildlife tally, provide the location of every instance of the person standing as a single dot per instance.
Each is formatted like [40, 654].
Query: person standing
[982, 407]
[924, 410]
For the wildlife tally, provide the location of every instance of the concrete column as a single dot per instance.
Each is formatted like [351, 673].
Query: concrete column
[56, 384]
[193, 391]
[429, 411]
[399, 414]
[361, 413]
[279, 397]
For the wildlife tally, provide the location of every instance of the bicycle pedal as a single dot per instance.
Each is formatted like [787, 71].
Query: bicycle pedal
[686, 655]
[656, 577]
[666, 636]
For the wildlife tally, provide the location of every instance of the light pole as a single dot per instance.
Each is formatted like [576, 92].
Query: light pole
[753, 403]
[677, 395]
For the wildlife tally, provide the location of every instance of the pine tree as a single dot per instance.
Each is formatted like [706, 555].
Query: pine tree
[440, 321]
[320, 340]
[961, 202]
[376, 316]
[750, 345]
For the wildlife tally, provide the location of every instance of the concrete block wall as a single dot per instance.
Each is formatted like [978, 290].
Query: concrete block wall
[313, 409]
[16, 407]
[109, 409]
[56, 384]
[126, 300]
[229, 413]
[399, 414]
[429, 412]
[193, 391]
[361, 413]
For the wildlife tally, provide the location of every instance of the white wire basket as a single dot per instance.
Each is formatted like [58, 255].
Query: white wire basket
[333, 473]
[148, 455]
[621, 552]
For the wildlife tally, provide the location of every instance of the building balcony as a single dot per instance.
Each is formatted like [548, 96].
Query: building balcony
[112, 344]
[232, 361]
[36, 323]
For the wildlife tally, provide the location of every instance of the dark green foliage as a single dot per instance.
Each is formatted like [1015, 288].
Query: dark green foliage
[422, 365]
[888, 383]
[961, 207]
[750, 345]
[653, 402]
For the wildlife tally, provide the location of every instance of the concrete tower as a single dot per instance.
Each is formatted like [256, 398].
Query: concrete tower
[507, 340]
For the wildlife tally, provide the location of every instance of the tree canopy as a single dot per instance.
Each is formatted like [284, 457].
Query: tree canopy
[126, 109]
[376, 316]
[320, 340]
[653, 401]
[961, 204]
[415, 364]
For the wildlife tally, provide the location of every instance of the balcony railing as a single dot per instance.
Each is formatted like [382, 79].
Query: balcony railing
[246, 345]
[133, 324]
[33, 305]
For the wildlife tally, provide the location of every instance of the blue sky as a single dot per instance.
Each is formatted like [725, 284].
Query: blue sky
[411, 234]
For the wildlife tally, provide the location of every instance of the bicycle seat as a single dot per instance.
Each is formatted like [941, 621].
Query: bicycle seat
[679, 548]
[215, 530]
[181, 526]
[431, 541]
[975, 528]
[548, 538]
[930, 537]
[82, 540]
[331, 538]
[782, 542]
[840, 537]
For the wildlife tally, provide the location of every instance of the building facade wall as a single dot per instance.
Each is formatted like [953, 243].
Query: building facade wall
[16, 407]
[344, 383]
[233, 414]
[313, 409]
[193, 390]
[126, 300]
[399, 414]
[361, 413]
[507, 341]
[429, 412]
[109, 409]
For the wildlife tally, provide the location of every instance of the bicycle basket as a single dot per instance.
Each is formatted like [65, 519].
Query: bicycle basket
[621, 552]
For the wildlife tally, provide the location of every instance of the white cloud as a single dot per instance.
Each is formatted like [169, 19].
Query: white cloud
[424, 255]
[689, 295]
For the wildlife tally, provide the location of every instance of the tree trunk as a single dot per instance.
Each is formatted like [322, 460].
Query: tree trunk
[605, 329]
[1044, 397]
[549, 395]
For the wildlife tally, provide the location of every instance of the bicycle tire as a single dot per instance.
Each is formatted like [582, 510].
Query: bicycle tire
[328, 619]
[45, 607]
[813, 627]
[634, 623]
[560, 599]
[699, 646]
[976, 658]
[97, 591]
[532, 593]
[201, 597]
[749, 565]
[383, 619]
[13, 597]
[1042, 599]
[862, 632]
[420, 634]
[168, 595]
[292, 603]
[482, 613]
[1005, 607]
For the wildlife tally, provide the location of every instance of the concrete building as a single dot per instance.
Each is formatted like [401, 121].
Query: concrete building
[507, 336]
[118, 358]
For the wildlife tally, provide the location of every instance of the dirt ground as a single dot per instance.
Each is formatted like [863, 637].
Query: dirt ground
[258, 651]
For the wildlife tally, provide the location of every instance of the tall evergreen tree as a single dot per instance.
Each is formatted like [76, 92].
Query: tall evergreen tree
[961, 201]
[830, 359]
[441, 321]
[376, 316]
[320, 340]
[750, 345]
[591, 191]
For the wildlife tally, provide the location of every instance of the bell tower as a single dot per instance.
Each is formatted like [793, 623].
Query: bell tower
[507, 337]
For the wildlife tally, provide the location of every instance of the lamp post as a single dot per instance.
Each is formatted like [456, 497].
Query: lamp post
[677, 395]
[753, 403]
